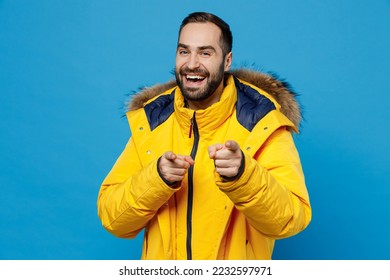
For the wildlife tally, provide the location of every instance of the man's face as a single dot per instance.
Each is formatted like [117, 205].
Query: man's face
[200, 64]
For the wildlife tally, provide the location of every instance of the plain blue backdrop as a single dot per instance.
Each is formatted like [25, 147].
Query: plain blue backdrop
[66, 68]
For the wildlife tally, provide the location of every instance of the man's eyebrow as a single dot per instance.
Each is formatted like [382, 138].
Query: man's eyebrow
[202, 48]
[181, 45]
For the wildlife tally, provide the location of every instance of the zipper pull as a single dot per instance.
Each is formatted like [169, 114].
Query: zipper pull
[191, 125]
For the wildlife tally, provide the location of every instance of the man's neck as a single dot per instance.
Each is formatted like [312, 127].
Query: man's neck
[204, 104]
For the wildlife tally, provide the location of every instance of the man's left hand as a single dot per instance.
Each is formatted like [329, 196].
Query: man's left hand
[227, 158]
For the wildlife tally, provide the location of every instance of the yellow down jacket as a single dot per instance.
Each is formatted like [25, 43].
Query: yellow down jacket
[207, 217]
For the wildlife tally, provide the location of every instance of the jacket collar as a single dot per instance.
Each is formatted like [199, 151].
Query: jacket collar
[210, 118]
[279, 89]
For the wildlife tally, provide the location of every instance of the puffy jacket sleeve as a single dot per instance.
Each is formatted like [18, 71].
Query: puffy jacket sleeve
[271, 192]
[131, 194]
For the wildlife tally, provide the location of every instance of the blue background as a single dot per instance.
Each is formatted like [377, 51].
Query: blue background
[66, 68]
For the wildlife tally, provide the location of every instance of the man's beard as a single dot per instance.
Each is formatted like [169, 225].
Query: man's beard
[199, 94]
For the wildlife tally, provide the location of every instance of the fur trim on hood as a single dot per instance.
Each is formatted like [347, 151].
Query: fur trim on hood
[270, 83]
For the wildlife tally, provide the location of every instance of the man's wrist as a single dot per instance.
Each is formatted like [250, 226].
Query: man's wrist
[170, 184]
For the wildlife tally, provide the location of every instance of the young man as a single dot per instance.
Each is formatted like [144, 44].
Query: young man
[211, 170]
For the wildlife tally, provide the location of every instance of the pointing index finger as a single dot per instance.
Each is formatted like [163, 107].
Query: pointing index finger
[170, 156]
[232, 145]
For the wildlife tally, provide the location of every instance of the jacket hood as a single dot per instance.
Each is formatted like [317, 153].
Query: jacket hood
[279, 89]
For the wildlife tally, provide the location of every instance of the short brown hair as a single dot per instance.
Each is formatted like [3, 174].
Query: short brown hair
[202, 17]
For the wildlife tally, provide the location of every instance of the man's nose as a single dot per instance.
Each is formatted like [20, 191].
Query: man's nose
[193, 61]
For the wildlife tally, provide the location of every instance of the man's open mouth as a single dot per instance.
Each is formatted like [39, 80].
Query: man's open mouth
[194, 79]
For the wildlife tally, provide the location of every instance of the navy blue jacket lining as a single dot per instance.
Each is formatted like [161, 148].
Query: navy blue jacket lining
[251, 107]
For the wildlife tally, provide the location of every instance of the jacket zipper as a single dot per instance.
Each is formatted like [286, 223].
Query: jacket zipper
[190, 132]
[193, 127]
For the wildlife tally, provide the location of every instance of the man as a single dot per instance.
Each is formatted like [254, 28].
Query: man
[211, 170]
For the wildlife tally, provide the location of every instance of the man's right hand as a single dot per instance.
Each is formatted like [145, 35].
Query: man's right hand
[174, 167]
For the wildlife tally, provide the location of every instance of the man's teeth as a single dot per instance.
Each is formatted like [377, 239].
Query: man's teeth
[195, 77]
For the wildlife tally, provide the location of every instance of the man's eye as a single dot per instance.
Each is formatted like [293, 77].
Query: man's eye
[205, 54]
[183, 52]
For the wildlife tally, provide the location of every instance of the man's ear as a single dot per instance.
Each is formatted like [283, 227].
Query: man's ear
[228, 61]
